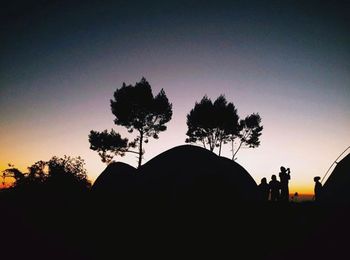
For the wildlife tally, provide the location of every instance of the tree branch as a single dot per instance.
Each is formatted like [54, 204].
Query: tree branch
[245, 135]
[131, 152]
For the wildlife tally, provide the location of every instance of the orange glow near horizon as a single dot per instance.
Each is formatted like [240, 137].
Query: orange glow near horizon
[301, 188]
[304, 152]
[294, 186]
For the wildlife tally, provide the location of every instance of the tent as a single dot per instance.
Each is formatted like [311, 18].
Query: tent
[183, 174]
[117, 178]
[337, 187]
[193, 174]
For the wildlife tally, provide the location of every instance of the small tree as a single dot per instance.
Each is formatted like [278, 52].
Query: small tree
[35, 175]
[57, 173]
[138, 110]
[14, 173]
[248, 137]
[67, 173]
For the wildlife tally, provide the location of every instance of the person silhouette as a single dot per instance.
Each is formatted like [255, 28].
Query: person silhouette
[264, 190]
[284, 179]
[318, 188]
[275, 186]
[295, 197]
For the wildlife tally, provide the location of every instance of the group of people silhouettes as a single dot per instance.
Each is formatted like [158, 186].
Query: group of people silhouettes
[276, 190]
[279, 191]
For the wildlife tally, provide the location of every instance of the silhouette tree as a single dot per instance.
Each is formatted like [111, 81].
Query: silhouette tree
[67, 173]
[14, 173]
[137, 109]
[37, 173]
[108, 144]
[215, 124]
[248, 137]
[212, 123]
[226, 120]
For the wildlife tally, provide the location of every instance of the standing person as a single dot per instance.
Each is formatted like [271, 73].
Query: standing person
[295, 197]
[284, 179]
[318, 188]
[264, 190]
[275, 188]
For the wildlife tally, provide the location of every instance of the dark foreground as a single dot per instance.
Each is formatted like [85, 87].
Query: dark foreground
[83, 227]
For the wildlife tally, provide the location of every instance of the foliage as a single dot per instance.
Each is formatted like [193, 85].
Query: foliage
[215, 124]
[108, 144]
[37, 173]
[67, 173]
[12, 172]
[249, 134]
[135, 108]
[212, 124]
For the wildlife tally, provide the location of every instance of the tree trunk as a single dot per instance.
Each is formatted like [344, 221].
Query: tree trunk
[239, 147]
[211, 148]
[233, 151]
[140, 149]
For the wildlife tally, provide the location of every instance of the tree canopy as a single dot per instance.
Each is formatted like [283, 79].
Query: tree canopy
[250, 132]
[57, 174]
[108, 144]
[212, 123]
[68, 172]
[216, 123]
[135, 108]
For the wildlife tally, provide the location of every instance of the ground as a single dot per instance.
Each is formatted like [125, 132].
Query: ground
[85, 227]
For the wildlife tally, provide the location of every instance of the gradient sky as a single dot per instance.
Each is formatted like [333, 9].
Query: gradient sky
[287, 60]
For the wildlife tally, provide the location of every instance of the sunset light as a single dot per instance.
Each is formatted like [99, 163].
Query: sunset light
[119, 116]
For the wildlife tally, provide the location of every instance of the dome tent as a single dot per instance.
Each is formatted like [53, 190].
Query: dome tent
[336, 188]
[183, 174]
[191, 173]
[117, 178]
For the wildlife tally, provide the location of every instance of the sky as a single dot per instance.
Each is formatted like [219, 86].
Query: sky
[287, 60]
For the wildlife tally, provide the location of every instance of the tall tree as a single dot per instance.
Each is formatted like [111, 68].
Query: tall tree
[212, 123]
[135, 108]
[215, 124]
[226, 120]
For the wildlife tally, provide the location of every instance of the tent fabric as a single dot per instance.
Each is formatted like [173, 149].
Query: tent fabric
[337, 187]
[182, 173]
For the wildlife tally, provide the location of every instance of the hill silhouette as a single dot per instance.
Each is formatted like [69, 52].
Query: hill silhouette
[336, 188]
